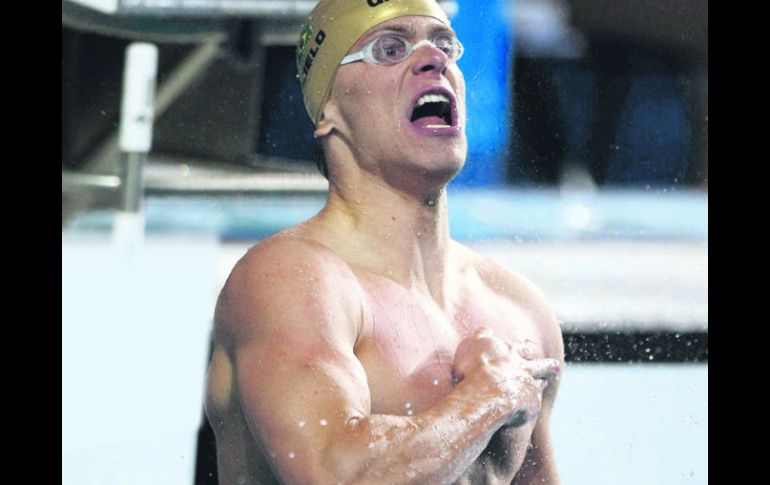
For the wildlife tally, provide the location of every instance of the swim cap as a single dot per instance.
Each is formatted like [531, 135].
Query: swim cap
[332, 28]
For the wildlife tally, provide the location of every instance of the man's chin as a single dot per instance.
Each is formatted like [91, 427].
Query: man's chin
[450, 158]
[445, 150]
[442, 170]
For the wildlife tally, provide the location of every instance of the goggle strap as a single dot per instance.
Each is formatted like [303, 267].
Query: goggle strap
[358, 56]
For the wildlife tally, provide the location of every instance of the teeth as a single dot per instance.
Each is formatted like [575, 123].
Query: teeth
[437, 126]
[431, 98]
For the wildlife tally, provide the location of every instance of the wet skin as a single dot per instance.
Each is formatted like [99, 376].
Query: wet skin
[356, 315]
[407, 347]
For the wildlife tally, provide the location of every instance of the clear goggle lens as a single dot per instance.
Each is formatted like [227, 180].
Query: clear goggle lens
[392, 49]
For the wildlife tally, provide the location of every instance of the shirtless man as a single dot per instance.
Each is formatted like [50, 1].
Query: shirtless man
[364, 346]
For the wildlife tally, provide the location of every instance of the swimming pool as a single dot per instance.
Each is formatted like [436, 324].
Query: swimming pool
[136, 322]
[634, 424]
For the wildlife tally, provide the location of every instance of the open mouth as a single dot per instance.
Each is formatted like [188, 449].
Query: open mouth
[433, 110]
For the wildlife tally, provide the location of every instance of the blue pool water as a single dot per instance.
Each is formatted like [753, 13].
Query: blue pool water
[474, 214]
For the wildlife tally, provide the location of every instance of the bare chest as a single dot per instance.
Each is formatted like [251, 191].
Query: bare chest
[408, 351]
[409, 342]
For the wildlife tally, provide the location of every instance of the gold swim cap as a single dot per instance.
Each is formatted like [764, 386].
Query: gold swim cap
[332, 28]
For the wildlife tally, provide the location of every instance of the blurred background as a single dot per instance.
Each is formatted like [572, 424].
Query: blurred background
[587, 171]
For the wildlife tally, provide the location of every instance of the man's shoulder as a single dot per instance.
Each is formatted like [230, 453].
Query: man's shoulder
[284, 273]
[287, 250]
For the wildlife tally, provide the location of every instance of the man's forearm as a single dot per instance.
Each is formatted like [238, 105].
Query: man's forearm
[436, 446]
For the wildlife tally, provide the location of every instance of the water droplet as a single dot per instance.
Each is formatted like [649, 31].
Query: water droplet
[291, 454]
[408, 405]
[301, 424]
[435, 382]
[323, 422]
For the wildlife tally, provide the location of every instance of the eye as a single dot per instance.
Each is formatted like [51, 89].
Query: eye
[447, 43]
[389, 49]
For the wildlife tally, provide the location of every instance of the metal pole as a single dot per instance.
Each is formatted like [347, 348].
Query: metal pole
[136, 117]
[133, 188]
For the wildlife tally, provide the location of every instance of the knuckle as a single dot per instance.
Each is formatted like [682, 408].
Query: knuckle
[527, 380]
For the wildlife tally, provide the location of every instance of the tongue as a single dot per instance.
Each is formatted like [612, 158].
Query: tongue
[428, 120]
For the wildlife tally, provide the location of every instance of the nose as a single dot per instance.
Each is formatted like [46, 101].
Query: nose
[429, 59]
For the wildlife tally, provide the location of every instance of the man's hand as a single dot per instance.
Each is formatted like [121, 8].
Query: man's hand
[511, 372]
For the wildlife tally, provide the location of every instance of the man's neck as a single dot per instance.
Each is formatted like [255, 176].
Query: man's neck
[403, 236]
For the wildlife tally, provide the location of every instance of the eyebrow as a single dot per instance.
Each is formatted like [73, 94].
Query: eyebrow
[406, 29]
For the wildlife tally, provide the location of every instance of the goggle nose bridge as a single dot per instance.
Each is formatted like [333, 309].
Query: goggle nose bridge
[422, 43]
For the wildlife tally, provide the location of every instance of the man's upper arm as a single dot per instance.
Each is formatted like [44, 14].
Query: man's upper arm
[291, 310]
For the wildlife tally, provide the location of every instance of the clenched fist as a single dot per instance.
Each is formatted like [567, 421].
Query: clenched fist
[510, 372]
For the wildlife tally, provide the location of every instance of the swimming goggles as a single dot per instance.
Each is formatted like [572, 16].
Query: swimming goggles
[391, 49]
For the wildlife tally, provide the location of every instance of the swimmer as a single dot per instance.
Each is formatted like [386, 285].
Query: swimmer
[364, 345]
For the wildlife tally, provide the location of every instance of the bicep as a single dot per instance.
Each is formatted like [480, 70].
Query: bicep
[298, 397]
[292, 321]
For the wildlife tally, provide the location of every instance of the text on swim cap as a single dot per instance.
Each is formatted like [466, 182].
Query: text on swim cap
[319, 39]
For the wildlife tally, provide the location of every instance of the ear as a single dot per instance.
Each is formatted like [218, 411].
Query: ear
[327, 122]
[324, 127]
